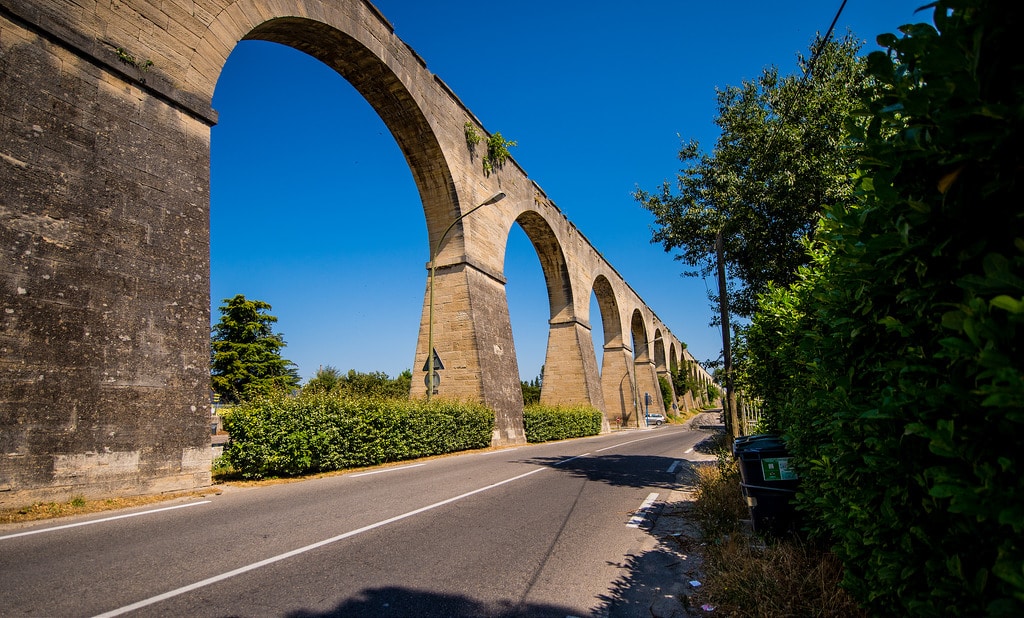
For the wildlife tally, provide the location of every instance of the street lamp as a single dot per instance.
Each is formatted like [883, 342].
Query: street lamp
[430, 307]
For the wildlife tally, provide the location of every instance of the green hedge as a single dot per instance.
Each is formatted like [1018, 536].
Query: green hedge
[319, 432]
[545, 423]
[896, 366]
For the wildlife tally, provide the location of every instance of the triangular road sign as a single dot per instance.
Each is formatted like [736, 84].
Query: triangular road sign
[437, 363]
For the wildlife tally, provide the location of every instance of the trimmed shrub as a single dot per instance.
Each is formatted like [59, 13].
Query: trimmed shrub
[290, 436]
[545, 423]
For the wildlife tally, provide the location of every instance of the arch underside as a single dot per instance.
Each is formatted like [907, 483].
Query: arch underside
[388, 96]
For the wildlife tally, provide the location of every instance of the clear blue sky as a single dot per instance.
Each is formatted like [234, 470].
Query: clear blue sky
[315, 211]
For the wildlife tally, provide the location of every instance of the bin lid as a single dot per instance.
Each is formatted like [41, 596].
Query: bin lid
[758, 442]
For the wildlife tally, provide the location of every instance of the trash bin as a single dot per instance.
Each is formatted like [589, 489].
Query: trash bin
[768, 482]
[742, 441]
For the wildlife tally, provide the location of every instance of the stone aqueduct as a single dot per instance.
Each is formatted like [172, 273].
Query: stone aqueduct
[105, 124]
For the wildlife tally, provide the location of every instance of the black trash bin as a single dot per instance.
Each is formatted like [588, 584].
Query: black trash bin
[768, 482]
[742, 441]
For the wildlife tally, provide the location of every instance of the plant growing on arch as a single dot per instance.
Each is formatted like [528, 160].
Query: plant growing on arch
[497, 152]
[497, 148]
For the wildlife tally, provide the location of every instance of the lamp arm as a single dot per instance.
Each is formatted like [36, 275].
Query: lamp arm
[430, 303]
[451, 225]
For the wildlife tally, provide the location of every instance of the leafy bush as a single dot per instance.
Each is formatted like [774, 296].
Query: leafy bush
[666, 393]
[545, 423]
[321, 432]
[377, 385]
[901, 390]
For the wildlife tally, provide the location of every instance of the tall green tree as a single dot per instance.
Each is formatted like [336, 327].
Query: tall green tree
[745, 211]
[784, 152]
[245, 355]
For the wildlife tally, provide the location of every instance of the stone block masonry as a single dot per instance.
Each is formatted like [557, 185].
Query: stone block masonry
[105, 119]
[105, 308]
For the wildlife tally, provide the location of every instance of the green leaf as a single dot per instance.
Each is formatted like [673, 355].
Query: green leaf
[1008, 303]
[1009, 570]
[953, 320]
[945, 491]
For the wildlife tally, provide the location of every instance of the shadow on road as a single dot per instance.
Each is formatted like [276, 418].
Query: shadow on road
[396, 602]
[645, 586]
[621, 470]
[656, 581]
[709, 446]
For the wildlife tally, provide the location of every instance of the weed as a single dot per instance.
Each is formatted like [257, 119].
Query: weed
[79, 505]
[719, 506]
[127, 58]
[745, 575]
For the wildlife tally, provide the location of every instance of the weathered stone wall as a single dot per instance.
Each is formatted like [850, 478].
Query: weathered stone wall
[104, 233]
[105, 296]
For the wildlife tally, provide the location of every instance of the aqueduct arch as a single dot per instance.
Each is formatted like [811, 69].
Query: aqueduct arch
[377, 82]
[104, 232]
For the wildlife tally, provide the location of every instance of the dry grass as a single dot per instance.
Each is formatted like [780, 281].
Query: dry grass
[748, 576]
[720, 506]
[81, 506]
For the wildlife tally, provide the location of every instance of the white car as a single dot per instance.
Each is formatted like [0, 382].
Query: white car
[655, 419]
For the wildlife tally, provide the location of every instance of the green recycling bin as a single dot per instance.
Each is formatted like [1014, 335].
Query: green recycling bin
[768, 482]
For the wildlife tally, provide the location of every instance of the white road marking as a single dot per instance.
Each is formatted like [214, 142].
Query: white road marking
[565, 461]
[295, 552]
[383, 470]
[499, 451]
[675, 465]
[688, 451]
[608, 448]
[97, 521]
[642, 513]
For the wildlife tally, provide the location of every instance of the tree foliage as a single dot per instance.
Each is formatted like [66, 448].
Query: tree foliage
[357, 384]
[894, 364]
[245, 355]
[685, 380]
[326, 380]
[531, 389]
[665, 386]
[784, 152]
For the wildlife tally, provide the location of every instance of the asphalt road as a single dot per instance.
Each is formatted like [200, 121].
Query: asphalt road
[539, 530]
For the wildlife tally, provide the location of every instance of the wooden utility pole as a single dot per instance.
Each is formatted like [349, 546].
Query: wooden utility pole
[732, 418]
